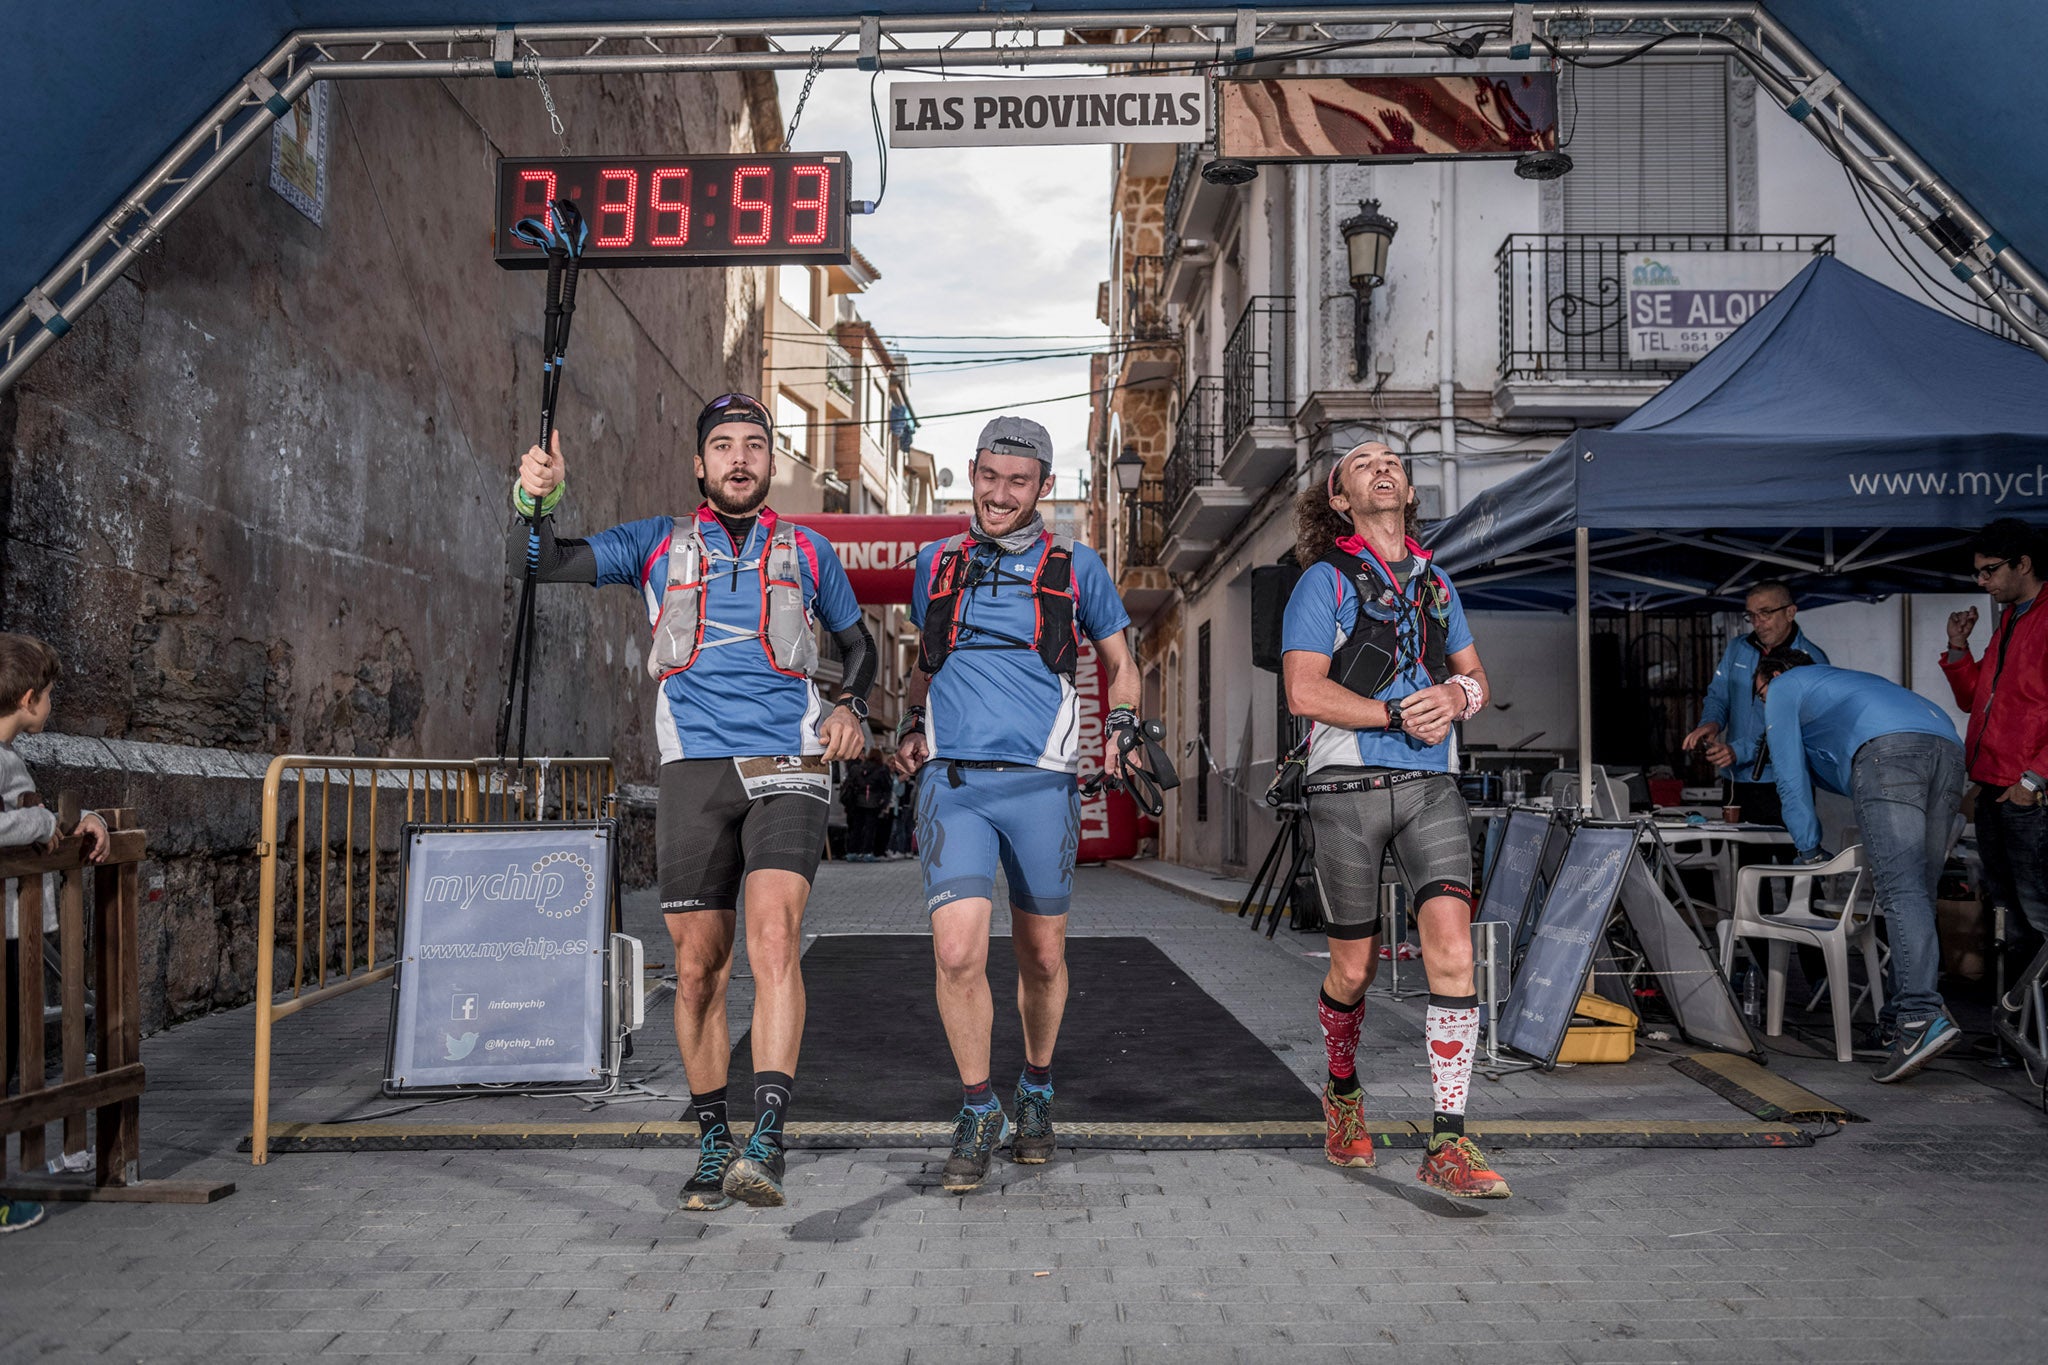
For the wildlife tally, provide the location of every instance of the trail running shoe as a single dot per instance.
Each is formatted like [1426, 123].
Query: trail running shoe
[1456, 1166]
[17, 1215]
[1031, 1144]
[1347, 1142]
[976, 1135]
[704, 1192]
[1919, 1043]
[755, 1176]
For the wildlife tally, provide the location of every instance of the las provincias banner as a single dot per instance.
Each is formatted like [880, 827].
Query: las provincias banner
[1044, 113]
[880, 553]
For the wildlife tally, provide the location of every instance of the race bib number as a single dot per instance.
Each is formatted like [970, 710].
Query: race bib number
[785, 775]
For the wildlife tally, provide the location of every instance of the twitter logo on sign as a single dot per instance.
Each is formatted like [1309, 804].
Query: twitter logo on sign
[458, 1048]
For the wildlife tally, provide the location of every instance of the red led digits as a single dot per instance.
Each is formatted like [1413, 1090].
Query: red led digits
[679, 206]
[741, 204]
[528, 205]
[815, 205]
[613, 209]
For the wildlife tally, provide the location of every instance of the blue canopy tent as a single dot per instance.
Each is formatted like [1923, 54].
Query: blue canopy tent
[1845, 439]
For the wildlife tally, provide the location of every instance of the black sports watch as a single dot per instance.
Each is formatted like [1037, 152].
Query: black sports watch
[1393, 716]
[855, 705]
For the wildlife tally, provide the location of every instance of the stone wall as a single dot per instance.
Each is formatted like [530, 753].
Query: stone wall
[258, 498]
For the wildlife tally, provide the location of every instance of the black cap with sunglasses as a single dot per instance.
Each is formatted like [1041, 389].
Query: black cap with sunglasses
[732, 407]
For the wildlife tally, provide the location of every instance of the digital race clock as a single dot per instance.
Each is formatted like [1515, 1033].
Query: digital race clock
[683, 210]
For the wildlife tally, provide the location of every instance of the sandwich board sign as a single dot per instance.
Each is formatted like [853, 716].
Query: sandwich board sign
[501, 978]
[1569, 930]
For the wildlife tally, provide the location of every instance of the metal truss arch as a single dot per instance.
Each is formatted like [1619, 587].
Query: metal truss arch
[2003, 282]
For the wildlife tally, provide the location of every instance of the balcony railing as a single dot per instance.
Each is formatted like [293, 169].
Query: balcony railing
[1184, 163]
[1197, 442]
[1145, 525]
[1256, 371]
[839, 371]
[1144, 303]
[1564, 301]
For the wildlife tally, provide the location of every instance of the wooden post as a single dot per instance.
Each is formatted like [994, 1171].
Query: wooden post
[29, 1008]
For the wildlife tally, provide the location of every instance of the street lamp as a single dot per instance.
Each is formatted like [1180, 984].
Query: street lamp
[1129, 469]
[1367, 235]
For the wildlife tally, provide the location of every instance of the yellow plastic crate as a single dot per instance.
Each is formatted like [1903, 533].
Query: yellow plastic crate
[1607, 1033]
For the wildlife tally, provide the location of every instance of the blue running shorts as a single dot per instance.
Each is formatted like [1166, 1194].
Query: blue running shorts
[1028, 817]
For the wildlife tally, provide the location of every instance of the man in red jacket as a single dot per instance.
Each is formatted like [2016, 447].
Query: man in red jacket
[2006, 694]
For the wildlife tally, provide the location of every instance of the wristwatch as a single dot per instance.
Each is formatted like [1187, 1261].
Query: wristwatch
[1393, 716]
[2034, 782]
[855, 705]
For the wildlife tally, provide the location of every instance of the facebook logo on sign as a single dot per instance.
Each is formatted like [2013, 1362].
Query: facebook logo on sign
[466, 1006]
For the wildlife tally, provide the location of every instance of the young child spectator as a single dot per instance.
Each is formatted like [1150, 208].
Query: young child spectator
[28, 674]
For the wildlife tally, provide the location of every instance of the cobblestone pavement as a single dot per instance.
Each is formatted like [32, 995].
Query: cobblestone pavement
[1915, 1236]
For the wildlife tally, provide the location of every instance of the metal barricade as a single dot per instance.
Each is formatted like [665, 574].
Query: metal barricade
[346, 881]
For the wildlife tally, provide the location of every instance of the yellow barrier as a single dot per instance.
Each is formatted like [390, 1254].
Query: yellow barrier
[430, 791]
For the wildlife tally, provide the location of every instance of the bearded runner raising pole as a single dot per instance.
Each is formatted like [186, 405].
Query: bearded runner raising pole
[993, 735]
[733, 594]
[1375, 651]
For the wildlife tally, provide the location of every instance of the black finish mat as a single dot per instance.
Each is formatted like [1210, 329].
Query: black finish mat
[1140, 1043]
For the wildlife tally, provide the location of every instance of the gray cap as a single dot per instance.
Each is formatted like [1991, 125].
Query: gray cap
[1016, 436]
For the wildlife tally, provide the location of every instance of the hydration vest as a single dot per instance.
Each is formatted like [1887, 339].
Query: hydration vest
[1373, 583]
[1056, 636]
[785, 632]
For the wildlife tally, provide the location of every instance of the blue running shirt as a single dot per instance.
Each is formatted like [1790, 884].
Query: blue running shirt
[1320, 616]
[730, 703]
[1004, 704]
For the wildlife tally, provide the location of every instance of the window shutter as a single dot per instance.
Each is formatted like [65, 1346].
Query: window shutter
[1649, 146]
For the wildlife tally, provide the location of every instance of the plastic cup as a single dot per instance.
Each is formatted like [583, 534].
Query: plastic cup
[1731, 814]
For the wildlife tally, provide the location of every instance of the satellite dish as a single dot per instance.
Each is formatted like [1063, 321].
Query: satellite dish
[946, 478]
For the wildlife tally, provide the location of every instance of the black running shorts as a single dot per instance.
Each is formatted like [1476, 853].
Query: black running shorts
[708, 835]
[1422, 818]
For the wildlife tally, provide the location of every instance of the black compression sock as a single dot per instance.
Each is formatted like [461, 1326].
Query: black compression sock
[710, 1110]
[1445, 1127]
[771, 1102]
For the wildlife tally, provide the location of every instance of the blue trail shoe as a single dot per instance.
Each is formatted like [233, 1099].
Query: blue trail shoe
[704, 1192]
[18, 1215]
[1918, 1043]
[976, 1135]
[755, 1176]
[1031, 1144]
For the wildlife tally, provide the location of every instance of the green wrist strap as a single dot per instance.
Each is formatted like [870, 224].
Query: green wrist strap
[522, 501]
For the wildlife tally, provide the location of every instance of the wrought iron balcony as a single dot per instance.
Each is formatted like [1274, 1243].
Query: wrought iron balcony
[1184, 163]
[1564, 301]
[839, 371]
[1144, 317]
[1145, 526]
[1197, 442]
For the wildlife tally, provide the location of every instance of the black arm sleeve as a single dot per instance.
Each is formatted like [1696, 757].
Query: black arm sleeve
[561, 561]
[857, 654]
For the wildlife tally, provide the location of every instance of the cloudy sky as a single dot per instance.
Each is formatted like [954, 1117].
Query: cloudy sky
[1008, 242]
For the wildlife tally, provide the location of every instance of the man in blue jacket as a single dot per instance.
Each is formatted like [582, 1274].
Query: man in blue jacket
[1897, 756]
[1733, 720]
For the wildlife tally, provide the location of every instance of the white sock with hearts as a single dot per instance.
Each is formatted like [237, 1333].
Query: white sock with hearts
[1451, 1027]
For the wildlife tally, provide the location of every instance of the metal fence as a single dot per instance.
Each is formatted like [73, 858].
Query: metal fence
[1197, 442]
[1184, 163]
[332, 886]
[1256, 369]
[1564, 300]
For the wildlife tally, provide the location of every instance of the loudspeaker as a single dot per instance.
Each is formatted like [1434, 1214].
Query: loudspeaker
[1272, 585]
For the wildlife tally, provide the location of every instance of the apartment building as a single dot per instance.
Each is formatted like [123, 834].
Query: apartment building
[1243, 360]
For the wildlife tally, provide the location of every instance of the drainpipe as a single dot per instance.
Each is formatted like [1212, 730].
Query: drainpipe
[1447, 336]
[1307, 319]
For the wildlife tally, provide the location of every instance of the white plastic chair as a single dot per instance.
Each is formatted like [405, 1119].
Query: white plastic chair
[1799, 923]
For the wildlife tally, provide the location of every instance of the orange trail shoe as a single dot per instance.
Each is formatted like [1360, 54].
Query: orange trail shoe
[1457, 1166]
[1347, 1142]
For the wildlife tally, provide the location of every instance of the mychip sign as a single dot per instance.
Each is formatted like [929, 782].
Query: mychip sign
[502, 969]
[1039, 113]
[1682, 304]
